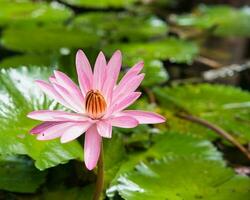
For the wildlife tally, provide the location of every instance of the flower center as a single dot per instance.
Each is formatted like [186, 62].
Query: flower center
[95, 104]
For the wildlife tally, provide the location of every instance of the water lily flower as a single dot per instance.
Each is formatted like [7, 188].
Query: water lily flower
[97, 105]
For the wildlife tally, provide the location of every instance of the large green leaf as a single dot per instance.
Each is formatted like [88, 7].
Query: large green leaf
[46, 39]
[155, 73]
[23, 12]
[168, 145]
[100, 3]
[226, 20]
[114, 154]
[173, 49]
[19, 174]
[113, 26]
[179, 125]
[225, 106]
[19, 96]
[29, 60]
[184, 178]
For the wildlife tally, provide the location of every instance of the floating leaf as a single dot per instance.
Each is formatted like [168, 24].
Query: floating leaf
[24, 12]
[172, 144]
[169, 145]
[100, 3]
[114, 154]
[117, 26]
[155, 73]
[28, 60]
[184, 178]
[46, 39]
[179, 125]
[226, 20]
[19, 96]
[19, 174]
[173, 49]
[226, 106]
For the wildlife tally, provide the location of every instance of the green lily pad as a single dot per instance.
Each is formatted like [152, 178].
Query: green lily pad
[173, 49]
[100, 3]
[27, 12]
[183, 178]
[19, 174]
[28, 60]
[168, 145]
[120, 26]
[114, 154]
[46, 39]
[19, 96]
[226, 106]
[155, 73]
[226, 20]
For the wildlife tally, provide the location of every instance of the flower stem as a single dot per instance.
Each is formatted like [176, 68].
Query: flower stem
[100, 177]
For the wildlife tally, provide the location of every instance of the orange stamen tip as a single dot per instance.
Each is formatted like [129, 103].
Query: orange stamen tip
[95, 104]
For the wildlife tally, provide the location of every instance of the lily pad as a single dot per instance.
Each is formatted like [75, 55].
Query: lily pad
[122, 26]
[28, 60]
[226, 106]
[168, 145]
[30, 12]
[173, 49]
[100, 3]
[18, 174]
[226, 20]
[19, 96]
[155, 73]
[183, 178]
[46, 39]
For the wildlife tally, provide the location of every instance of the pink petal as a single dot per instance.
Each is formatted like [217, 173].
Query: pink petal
[74, 131]
[84, 72]
[124, 122]
[64, 81]
[114, 65]
[54, 131]
[42, 127]
[113, 70]
[99, 71]
[70, 98]
[108, 89]
[104, 129]
[135, 70]
[127, 101]
[145, 117]
[52, 79]
[51, 92]
[92, 146]
[128, 87]
[52, 115]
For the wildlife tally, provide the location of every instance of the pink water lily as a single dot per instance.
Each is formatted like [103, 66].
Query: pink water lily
[97, 105]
